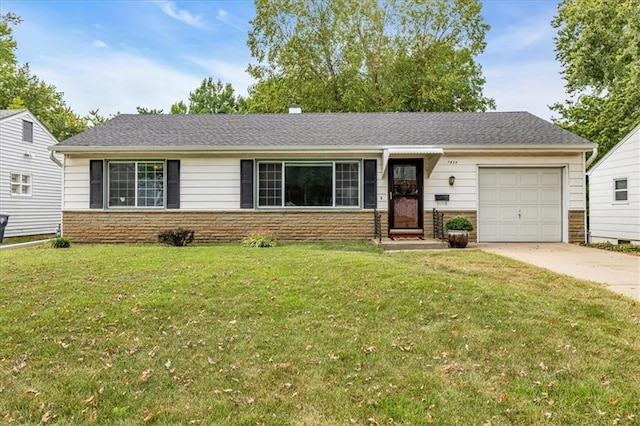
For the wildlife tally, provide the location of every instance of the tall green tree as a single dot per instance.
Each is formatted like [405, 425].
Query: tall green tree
[19, 88]
[367, 55]
[598, 45]
[211, 97]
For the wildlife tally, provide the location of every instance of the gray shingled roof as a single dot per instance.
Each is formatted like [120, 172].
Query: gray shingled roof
[330, 130]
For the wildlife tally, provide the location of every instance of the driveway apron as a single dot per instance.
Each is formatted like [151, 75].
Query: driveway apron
[620, 272]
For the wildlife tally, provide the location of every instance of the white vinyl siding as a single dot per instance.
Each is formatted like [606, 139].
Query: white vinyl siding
[611, 220]
[39, 212]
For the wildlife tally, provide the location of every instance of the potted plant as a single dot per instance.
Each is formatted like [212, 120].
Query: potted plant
[458, 231]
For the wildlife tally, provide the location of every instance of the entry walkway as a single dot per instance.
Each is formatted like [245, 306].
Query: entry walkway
[620, 272]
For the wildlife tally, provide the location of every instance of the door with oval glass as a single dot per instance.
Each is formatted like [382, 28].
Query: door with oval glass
[406, 205]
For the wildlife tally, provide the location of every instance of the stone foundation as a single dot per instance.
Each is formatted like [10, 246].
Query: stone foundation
[234, 225]
[219, 226]
[577, 226]
[448, 214]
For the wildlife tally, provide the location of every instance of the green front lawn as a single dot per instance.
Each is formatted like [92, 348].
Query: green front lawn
[308, 334]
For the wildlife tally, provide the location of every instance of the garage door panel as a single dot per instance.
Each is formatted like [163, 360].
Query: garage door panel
[529, 179]
[507, 213]
[529, 213]
[507, 195]
[490, 196]
[552, 179]
[509, 231]
[551, 230]
[550, 195]
[507, 179]
[530, 195]
[529, 230]
[520, 204]
[488, 179]
[550, 213]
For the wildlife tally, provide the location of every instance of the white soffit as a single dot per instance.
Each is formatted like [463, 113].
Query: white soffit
[433, 154]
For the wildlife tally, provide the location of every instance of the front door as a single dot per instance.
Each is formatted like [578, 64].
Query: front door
[406, 203]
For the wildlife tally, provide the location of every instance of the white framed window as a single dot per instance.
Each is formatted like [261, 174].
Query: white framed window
[308, 184]
[136, 184]
[27, 131]
[20, 184]
[620, 190]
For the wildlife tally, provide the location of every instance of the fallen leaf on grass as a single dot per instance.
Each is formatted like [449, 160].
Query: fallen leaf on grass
[148, 415]
[145, 375]
[93, 416]
[46, 417]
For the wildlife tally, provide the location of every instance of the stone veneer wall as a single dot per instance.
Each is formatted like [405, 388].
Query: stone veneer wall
[577, 226]
[228, 226]
[220, 226]
[448, 214]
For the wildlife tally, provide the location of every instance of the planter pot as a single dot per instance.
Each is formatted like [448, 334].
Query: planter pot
[458, 239]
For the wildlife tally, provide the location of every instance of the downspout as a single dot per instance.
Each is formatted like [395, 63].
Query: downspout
[594, 154]
[54, 159]
[59, 164]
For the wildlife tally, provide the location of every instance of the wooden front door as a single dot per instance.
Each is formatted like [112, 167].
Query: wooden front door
[406, 201]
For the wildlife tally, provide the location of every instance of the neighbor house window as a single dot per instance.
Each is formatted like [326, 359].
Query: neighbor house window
[27, 131]
[20, 184]
[309, 184]
[136, 184]
[620, 189]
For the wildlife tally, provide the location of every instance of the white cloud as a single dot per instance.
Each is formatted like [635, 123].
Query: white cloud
[230, 20]
[521, 37]
[531, 86]
[227, 72]
[183, 15]
[99, 43]
[116, 82]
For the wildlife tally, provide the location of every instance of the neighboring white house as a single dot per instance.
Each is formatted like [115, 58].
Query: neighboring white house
[614, 193]
[30, 182]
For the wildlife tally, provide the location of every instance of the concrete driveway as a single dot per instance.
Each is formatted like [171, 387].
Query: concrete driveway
[620, 272]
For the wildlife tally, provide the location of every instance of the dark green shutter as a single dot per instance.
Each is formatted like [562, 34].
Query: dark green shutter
[246, 184]
[173, 184]
[370, 184]
[96, 178]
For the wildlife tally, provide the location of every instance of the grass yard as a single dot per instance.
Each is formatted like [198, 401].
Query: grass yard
[308, 334]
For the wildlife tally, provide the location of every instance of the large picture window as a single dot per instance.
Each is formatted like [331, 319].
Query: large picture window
[309, 184]
[136, 184]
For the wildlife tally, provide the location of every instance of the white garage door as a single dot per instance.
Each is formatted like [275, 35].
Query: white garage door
[520, 205]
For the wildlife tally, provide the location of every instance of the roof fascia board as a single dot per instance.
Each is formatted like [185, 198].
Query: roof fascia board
[318, 149]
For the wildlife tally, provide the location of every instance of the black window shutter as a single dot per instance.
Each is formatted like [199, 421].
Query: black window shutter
[370, 184]
[96, 177]
[246, 184]
[173, 184]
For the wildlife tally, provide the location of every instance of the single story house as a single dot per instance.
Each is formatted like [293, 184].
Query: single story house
[30, 183]
[614, 193]
[322, 176]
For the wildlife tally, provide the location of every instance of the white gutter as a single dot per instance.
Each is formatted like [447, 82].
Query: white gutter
[54, 159]
[594, 154]
[315, 149]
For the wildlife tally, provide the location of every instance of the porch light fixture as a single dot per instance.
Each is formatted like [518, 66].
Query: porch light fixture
[452, 180]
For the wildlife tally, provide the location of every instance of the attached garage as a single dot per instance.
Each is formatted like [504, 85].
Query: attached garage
[520, 205]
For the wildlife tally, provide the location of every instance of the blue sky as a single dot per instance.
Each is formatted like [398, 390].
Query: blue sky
[114, 55]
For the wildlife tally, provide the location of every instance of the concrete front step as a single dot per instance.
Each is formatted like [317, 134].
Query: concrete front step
[388, 244]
